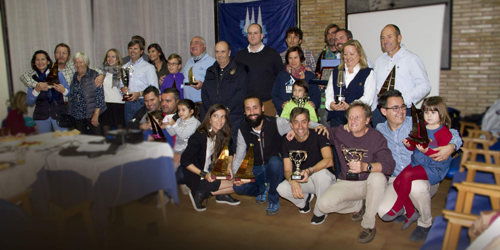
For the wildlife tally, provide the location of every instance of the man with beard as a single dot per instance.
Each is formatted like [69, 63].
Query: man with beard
[200, 62]
[62, 55]
[329, 52]
[265, 133]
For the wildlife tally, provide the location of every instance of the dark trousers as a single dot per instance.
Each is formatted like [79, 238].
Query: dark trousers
[272, 173]
[84, 126]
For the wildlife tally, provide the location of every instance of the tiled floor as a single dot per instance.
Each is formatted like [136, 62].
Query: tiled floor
[246, 226]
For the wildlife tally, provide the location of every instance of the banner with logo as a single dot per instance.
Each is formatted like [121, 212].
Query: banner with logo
[275, 17]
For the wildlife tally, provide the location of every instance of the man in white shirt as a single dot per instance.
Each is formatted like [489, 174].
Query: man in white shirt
[142, 74]
[411, 76]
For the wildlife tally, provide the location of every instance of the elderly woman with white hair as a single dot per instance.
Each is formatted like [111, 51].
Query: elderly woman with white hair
[86, 101]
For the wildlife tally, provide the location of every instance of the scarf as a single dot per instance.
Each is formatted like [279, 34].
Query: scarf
[197, 58]
[299, 73]
[116, 71]
[52, 94]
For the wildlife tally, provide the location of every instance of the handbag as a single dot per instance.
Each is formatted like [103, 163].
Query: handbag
[65, 120]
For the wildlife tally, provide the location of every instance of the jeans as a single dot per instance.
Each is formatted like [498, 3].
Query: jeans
[45, 126]
[131, 108]
[272, 173]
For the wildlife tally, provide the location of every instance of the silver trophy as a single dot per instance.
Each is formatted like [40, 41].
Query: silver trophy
[125, 76]
[301, 101]
[340, 83]
[350, 155]
[297, 157]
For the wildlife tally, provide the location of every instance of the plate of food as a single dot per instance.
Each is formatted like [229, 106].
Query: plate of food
[5, 165]
[66, 134]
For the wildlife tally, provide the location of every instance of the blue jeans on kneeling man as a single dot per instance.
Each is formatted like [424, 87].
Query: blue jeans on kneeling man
[271, 173]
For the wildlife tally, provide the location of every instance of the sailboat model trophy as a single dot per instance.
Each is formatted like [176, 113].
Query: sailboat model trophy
[418, 134]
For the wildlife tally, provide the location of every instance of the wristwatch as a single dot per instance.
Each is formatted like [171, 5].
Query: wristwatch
[203, 174]
[369, 168]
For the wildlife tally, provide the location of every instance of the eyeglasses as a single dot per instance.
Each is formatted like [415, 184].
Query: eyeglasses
[172, 64]
[397, 108]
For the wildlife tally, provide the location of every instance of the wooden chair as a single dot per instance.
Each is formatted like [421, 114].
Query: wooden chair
[461, 216]
[491, 163]
[23, 199]
[455, 223]
[479, 137]
[464, 125]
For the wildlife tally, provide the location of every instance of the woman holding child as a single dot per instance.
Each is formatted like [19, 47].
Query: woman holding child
[295, 69]
[355, 67]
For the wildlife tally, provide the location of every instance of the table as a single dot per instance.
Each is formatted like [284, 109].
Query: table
[110, 180]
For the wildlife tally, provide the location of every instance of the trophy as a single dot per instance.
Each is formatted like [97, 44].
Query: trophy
[191, 80]
[220, 171]
[389, 82]
[53, 77]
[297, 157]
[158, 135]
[301, 101]
[245, 172]
[350, 155]
[126, 80]
[418, 134]
[340, 83]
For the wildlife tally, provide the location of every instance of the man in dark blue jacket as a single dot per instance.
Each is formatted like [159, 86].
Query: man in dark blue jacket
[226, 83]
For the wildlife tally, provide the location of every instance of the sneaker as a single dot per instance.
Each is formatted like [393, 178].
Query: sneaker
[307, 207]
[400, 219]
[366, 235]
[358, 216]
[185, 190]
[388, 217]
[197, 201]
[412, 219]
[272, 209]
[261, 198]
[316, 220]
[420, 233]
[226, 198]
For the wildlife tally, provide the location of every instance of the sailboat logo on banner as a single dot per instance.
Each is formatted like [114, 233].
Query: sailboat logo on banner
[244, 24]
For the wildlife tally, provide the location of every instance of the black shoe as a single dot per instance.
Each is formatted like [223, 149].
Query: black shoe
[318, 220]
[420, 233]
[197, 201]
[307, 207]
[226, 198]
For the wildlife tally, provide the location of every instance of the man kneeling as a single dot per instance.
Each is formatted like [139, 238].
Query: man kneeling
[316, 179]
[365, 176]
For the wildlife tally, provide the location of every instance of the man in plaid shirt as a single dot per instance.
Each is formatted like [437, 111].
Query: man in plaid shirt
[294, 38]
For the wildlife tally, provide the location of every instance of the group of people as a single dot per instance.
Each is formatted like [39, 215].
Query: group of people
[361, 164]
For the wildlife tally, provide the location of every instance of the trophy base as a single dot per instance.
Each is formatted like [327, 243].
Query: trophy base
[339, 98]
[244, 179]
[417, 141]
[189, 83]
[296, 177]
[221, 177]
[352, 176]
[125, 97]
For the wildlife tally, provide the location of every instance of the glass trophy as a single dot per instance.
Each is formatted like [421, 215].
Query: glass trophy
[341, 84]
